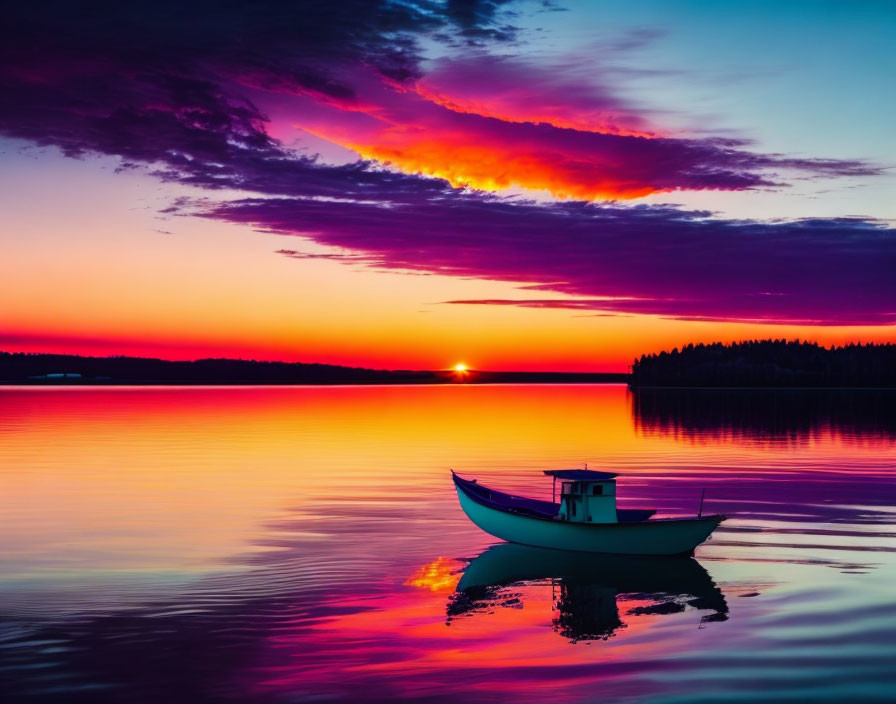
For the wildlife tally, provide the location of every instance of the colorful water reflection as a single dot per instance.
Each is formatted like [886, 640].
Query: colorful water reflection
[290, 544]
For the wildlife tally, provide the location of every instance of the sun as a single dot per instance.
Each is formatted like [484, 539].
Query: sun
[460, 367]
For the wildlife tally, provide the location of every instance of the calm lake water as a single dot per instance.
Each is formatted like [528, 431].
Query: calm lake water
[305, 544]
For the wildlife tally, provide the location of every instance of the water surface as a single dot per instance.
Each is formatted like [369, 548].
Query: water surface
[305, 544]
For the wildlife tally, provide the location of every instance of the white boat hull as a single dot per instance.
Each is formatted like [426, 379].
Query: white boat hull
[653, 537]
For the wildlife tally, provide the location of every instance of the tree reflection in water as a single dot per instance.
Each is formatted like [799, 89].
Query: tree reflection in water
[792, 415]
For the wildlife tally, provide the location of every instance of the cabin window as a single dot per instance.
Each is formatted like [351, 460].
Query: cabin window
[597, 489]
[572, 507]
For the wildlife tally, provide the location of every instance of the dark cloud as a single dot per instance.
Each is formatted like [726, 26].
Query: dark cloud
[477, 19]
[332, 256]
[161, 82]
[651, 260]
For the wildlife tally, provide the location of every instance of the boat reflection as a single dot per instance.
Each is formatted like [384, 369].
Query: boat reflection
[592, 595]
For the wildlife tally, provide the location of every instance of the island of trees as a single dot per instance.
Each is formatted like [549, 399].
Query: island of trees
[768, 363]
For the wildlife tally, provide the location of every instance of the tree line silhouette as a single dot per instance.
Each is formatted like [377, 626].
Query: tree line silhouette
[69, 368]
[37, 368]
[768, 363]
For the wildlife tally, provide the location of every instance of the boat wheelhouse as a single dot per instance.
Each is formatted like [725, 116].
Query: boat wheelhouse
[587, 496]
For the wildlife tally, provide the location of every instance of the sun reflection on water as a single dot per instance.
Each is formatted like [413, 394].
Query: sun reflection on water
[440, 575]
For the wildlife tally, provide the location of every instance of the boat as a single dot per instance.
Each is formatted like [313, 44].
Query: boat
[585, 519]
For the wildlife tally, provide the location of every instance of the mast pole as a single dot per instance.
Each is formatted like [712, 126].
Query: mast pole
[700, 510]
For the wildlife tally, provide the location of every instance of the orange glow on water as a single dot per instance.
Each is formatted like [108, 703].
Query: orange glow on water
[440, 575]
[112, 461]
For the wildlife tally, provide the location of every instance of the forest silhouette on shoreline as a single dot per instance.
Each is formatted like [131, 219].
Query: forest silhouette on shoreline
[768, 363]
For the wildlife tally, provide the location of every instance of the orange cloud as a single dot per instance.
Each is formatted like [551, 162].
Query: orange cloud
[493, 126]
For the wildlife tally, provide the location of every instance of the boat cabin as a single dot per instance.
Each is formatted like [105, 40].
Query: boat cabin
[586, 496]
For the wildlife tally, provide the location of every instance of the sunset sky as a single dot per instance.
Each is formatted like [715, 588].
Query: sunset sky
[511, 185]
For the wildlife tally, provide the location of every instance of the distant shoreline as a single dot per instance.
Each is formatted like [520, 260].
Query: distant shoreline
[23, 369]
[755, 365]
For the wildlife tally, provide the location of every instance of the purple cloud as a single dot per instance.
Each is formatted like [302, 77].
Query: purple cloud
[651, 260]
